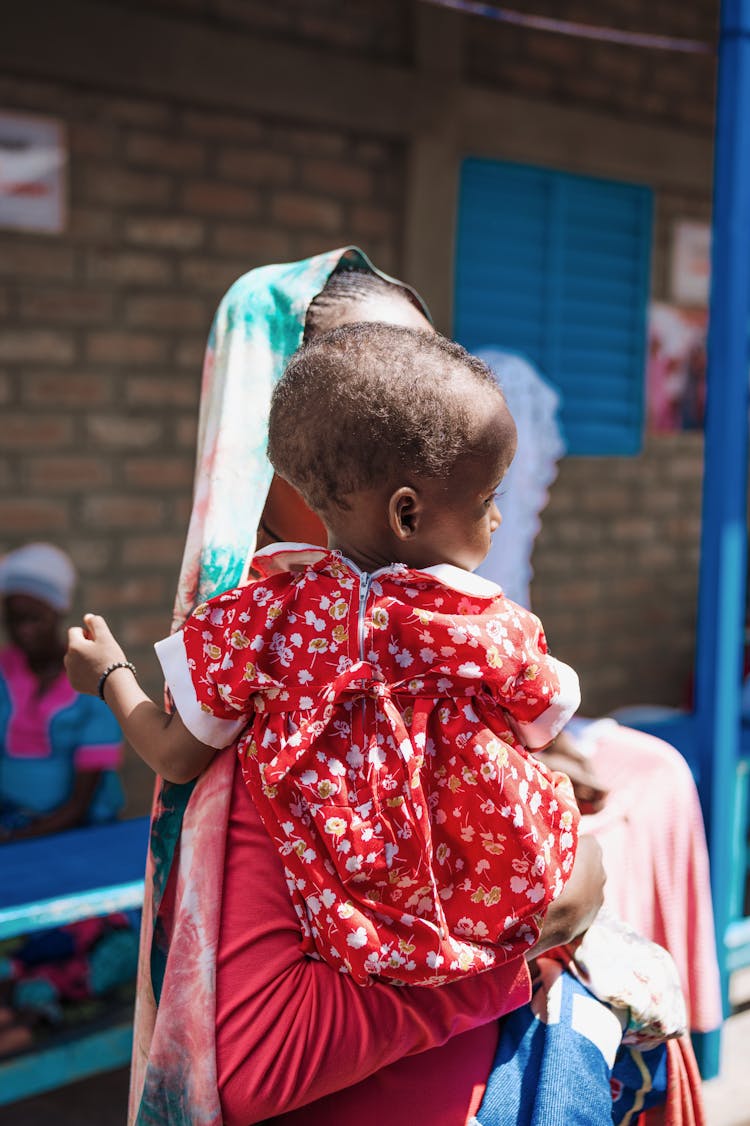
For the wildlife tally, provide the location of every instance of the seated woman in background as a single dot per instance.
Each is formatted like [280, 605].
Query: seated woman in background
[58, 757]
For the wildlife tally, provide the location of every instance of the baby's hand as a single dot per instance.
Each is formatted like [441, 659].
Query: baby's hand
[90, 651]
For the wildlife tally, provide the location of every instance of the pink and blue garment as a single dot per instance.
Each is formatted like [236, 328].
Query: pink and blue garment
[45, 740]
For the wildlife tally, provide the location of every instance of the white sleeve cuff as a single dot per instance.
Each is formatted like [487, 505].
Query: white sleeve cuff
[550, 723]
[210, 729]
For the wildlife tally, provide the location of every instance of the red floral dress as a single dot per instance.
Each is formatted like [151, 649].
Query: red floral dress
[382, 722]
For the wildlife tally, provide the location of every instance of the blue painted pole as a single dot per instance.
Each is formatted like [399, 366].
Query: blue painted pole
[721, 601]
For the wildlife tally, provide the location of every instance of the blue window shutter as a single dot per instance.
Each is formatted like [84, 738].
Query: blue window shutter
[557, 267]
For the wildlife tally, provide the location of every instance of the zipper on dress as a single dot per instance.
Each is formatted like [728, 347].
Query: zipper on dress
[364, 589]
[365, 580]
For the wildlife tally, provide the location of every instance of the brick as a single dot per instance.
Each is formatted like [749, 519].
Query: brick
[220, 126]
[337, 178]
[308, 142]
[375, 153]
[7, 387]
[144, 629]
[31, 95]
[372, 221]
[159, 472]
[119, 188]
[87, 138]
[121, 510]
[69, 306]
[65, 389]
[307, 245]
[9, 474]
[167, 231]
[186, 431]
[91, 225]
[211, 274]
[114, 347]
[32, 516]
[162, 391]
[91, 557]
[162, 550]
[122, 432]
[24, 258]
[622, 64]
[35, 431]
[144, 590]
[260, 244]
[149, 115]
[556, 50]
[168, 153]
[259, 166]
[298, 210]
[30, 344]
[123, 267]
[166, 312]
[72, 472]
[189, 352]
[207, 197]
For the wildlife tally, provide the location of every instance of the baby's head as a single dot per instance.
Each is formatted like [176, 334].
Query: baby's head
[398, 439]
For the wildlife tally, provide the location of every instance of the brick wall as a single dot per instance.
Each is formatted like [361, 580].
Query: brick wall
[616, 571]
[373, 28]
[621, 80]
[102, 330]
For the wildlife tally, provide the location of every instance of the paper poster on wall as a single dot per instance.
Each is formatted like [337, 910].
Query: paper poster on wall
[32, 173]
[691, 263]
[676, 370]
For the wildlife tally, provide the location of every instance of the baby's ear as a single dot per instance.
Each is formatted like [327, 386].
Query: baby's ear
[404, 512]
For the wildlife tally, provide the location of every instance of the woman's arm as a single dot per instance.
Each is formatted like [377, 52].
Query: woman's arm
[575, 908]
[160, 739]
[67, 816]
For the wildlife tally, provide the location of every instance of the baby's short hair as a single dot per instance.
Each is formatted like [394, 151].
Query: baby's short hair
[365, 402]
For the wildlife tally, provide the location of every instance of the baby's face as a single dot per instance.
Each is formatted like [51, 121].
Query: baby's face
[460, 514]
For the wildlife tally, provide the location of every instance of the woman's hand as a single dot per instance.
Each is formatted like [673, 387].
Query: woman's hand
[564, 755]
[578, 904]
[90, 651]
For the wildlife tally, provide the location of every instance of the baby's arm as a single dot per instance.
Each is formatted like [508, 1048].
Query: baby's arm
[160, 739]
[543, 694]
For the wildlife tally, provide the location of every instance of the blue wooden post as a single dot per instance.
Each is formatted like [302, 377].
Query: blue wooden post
[721, 604]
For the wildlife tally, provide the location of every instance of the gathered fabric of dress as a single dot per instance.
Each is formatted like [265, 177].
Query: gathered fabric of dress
[384, 721]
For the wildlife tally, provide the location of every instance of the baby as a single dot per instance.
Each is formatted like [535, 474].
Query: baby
[383, 699]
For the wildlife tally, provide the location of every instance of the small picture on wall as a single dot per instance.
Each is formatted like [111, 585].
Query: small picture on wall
[32, 173]
[691, 263]
[676, 369]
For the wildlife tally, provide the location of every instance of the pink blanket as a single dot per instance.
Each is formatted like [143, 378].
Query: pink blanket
[651, 832]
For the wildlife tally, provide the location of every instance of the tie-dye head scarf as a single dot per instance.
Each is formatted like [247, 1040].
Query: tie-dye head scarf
[258, 325]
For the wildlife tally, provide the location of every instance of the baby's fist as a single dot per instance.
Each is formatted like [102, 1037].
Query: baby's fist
[90, 651]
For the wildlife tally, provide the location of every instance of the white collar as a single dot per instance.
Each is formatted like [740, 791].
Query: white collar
[290, 556]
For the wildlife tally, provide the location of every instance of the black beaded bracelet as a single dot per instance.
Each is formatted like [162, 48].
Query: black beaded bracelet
[111, 668]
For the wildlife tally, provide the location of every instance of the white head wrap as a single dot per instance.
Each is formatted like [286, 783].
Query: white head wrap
[41, 571]
[534, 405]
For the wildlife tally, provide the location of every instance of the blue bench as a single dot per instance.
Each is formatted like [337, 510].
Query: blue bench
[61, 879]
